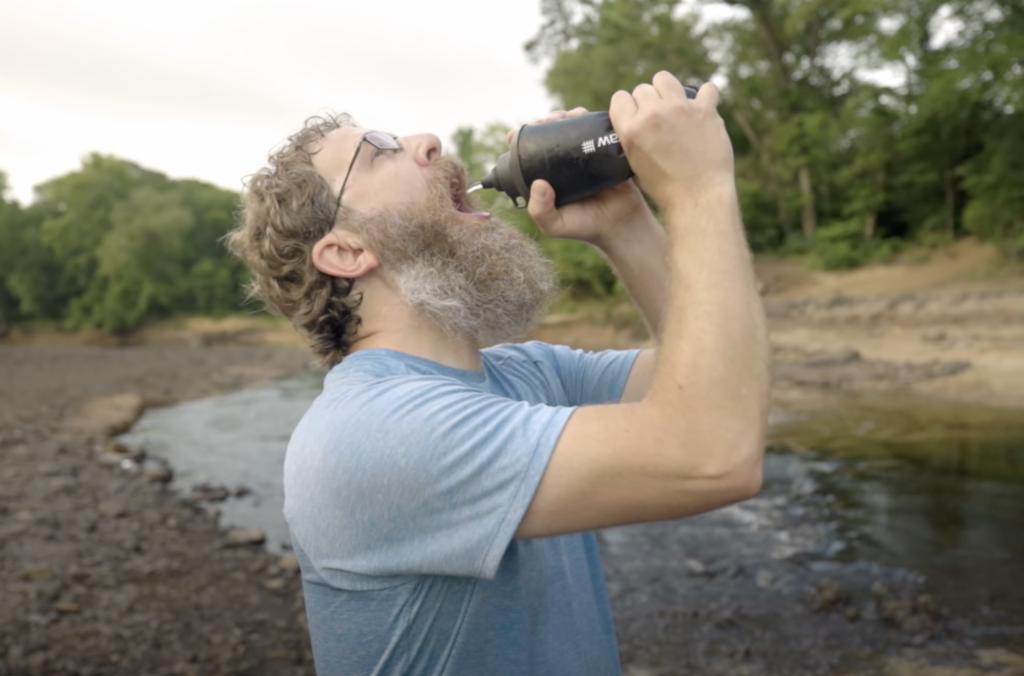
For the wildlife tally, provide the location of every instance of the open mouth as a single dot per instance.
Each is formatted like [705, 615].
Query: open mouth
[457, 189]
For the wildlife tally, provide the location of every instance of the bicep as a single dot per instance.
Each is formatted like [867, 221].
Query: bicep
[614, 464]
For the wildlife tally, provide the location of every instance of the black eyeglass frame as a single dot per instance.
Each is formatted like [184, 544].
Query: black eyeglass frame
[378, 140]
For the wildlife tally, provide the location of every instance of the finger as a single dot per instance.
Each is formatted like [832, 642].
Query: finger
[708, 93]
[621, 108]
[550, 117]
[645, 94]
[668, 85]
[541, 205]
[576, 112]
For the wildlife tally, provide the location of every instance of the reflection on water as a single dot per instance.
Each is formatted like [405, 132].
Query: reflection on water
[933, 486]
[942, 437]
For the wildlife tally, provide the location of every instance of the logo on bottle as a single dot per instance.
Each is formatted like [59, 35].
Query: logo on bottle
[589, 145]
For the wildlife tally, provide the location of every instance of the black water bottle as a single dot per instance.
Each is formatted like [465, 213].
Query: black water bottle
[579, 156]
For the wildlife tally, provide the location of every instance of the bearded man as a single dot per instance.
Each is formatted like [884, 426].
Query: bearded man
[441, 495]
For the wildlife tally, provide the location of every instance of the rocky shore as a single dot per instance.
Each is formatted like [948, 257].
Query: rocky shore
[102, 569]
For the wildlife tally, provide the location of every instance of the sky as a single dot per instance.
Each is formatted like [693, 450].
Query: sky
[206, 88]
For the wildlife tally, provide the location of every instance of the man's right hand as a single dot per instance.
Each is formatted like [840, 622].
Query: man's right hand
[678, 147]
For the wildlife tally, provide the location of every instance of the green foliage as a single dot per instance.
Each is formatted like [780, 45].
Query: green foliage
[841, 245]
[112, 245]
[598, 48]
[931, 151]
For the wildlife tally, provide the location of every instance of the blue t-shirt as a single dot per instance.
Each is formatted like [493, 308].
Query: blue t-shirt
[404, 485]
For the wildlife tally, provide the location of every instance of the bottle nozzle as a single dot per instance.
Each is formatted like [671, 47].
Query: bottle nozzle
[476, 186]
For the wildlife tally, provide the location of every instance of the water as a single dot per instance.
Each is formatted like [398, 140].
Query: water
[910, 494]
[238, 441]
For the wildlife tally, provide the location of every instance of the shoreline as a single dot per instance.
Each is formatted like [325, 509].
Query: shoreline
[105, 570]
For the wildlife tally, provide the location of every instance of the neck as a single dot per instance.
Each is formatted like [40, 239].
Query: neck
[387, 323]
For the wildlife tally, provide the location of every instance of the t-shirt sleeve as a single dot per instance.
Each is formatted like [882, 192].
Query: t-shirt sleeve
[416, 475]
[587, 377]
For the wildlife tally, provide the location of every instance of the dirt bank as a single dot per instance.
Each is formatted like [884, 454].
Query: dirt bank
[103, 571]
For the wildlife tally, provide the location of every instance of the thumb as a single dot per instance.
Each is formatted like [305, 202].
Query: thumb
[541, 206]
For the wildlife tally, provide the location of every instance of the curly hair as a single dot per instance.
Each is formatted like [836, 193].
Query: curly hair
[286, 207]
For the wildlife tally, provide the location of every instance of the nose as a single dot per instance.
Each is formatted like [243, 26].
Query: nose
[422, 147]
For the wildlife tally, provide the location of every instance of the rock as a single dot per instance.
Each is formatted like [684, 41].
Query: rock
[15, 655]
[68, 607]
[108, 415]
[764, 579]
[62, 484]
[208, 493]
[289, 563]
[156, 470]
[111, 509]
[833, 358]
[828, 595]
[695, 567]
[1001, 657]
[36, 573]
[274, 584]
[133, 451]
[109, 459]
[240, 537]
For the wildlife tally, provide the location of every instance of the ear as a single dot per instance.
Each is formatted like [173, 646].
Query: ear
[341, 253]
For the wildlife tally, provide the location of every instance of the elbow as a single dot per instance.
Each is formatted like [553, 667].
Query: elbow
[749, 480]
[737, 470]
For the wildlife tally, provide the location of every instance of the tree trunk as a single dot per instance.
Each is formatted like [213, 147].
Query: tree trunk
[808, 220]
[869, 225]
[947, 176]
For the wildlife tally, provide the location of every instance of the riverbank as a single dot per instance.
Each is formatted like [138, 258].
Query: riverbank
[104, 571]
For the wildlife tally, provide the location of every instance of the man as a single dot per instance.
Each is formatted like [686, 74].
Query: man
[441, 496]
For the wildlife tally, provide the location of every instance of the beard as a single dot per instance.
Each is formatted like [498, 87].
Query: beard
[475, 279]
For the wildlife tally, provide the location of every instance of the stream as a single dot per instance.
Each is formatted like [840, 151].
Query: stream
[885, 524]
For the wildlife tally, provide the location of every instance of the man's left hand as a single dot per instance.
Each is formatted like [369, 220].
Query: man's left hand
[596, 219]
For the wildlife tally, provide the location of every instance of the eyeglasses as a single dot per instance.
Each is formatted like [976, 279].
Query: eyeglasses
[378, 140]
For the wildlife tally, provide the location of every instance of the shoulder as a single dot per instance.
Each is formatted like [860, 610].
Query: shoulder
[532, 351]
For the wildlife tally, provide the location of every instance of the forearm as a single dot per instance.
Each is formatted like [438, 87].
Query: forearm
[713, 369]
[638, 252]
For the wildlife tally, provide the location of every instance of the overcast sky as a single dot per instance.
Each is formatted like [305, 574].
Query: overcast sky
[205, 88]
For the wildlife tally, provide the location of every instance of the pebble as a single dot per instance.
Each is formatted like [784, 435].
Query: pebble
[36, 573]
[289, 563]
[15, 654]
[156, 471]
[68, 607]
[133, 451]
[109, 459]
[208, 493]
[274, 584]
[111, 509]
[238, 537]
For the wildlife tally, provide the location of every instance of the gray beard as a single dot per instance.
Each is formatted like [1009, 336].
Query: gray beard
[473, 279]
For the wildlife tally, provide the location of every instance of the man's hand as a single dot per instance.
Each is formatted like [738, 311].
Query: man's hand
[678, 147]
[594, 220]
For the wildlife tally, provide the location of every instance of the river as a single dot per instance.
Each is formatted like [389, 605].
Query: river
[884, 524]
